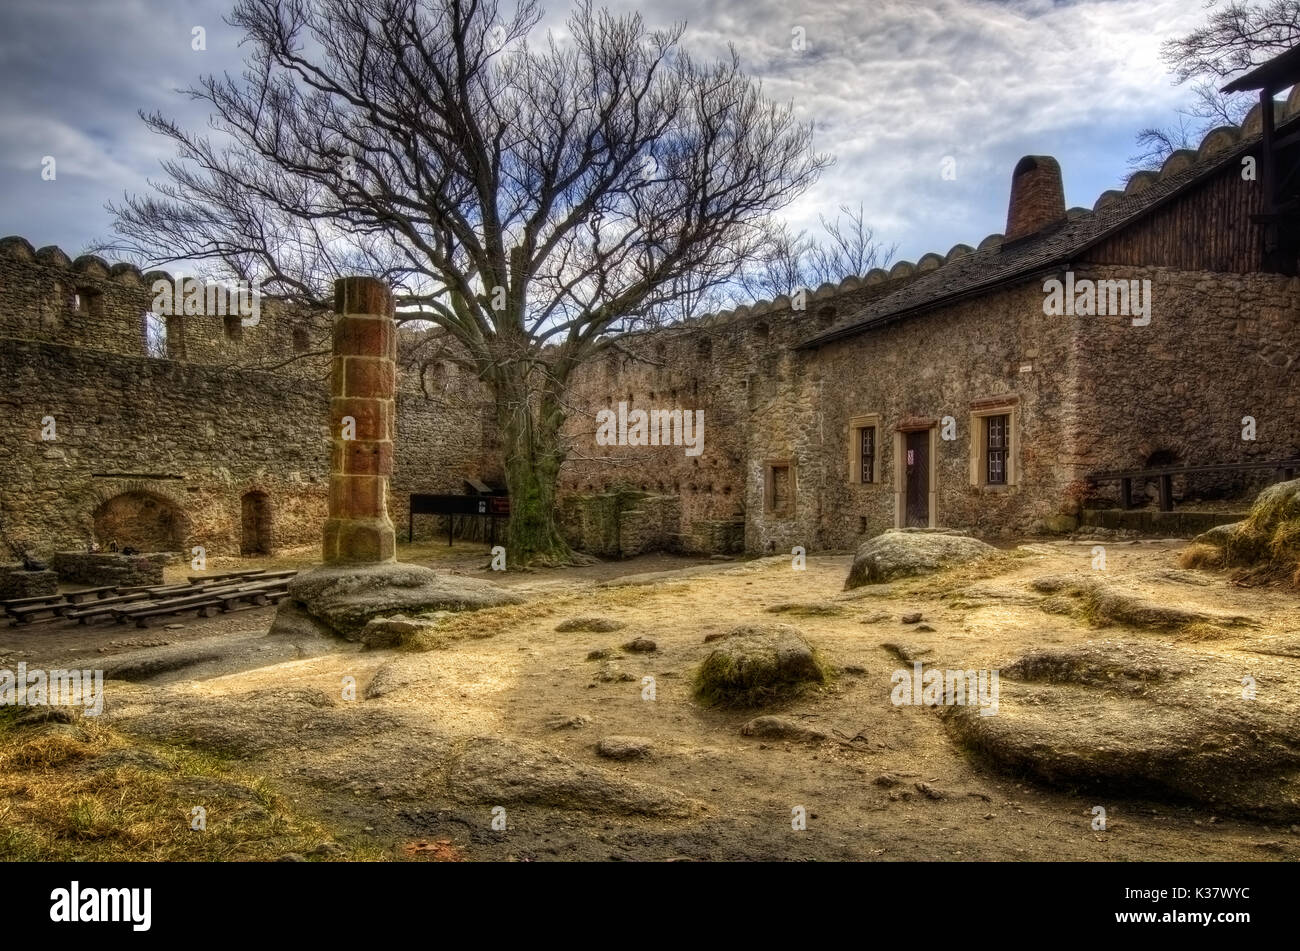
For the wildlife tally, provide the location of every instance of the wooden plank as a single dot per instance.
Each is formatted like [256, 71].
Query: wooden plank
[243, 573]
[24, 602]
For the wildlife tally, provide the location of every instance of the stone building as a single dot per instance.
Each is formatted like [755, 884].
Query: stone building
[960, 390]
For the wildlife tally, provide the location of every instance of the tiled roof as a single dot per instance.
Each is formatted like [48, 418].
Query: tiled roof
[996, 264]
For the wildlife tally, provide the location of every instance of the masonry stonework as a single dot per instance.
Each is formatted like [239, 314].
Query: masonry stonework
[220, 434]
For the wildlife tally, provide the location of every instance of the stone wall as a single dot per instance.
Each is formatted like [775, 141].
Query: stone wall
[105, 568]
[951, 362]
[1219, 347]
[90, 304]
[728, 366]
[17, 582]
[185, 440]
[166, 451]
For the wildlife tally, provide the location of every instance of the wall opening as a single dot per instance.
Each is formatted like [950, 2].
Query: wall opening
[155, 335]
[255, 516]
[89, 301]
[141, 521]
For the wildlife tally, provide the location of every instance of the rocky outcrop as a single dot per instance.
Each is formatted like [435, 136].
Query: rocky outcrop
[903, 553]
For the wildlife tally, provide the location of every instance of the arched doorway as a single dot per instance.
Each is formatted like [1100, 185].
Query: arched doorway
[255, 518]
[141, 521]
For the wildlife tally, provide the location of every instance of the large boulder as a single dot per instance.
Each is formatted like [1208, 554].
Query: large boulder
[347, 597]
[1144, 718]
[758, 664]
[902, 553]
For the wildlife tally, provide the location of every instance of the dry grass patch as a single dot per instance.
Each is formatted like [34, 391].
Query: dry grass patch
[78, 791]
[1200, 555]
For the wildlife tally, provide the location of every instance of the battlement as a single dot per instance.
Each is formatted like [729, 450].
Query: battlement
[89, 303]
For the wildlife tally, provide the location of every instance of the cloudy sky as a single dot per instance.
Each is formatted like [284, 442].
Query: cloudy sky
[895, 86]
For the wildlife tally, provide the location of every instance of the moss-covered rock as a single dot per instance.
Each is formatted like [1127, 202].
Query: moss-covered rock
[1266, 542]
[757, 665]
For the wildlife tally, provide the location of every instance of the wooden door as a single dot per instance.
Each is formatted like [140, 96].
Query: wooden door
[917, 472]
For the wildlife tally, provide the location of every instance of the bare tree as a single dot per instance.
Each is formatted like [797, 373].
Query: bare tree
[1236, 36]
[1210, 109]
[530, 198]
[790, 262]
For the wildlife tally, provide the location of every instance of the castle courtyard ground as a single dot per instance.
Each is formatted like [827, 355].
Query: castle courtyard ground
[501, 721]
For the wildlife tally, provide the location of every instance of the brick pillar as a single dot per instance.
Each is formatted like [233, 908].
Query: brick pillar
[363, 379]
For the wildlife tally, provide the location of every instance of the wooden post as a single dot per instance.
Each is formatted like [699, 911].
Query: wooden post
[1166, 492]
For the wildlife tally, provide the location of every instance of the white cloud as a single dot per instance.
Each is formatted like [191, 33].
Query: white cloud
[893, 85]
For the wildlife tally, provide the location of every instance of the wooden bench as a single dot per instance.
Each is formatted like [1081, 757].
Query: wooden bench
[104, 607]
[141, 617]
[76, 597]
[155, 589]
[26, 602]
[206, 602]
[259, 595]
[28, 614]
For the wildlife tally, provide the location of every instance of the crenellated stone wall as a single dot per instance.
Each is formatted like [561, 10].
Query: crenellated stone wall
[168, 450]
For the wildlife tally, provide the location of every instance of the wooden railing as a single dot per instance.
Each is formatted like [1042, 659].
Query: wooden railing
[1284, 469]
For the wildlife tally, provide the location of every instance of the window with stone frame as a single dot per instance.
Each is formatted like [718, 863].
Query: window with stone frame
[232, 326]
[155, 335]
[864, 449]
[89, 301]
[993, 442]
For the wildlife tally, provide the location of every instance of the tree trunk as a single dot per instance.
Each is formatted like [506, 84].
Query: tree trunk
[530, 433]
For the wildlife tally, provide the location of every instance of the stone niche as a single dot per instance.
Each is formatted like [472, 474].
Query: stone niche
[141, 520]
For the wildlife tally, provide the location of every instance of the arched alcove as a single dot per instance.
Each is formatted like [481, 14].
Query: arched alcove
[139, 520]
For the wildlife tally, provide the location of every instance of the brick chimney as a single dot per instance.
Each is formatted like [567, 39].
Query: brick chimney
[1037, 198]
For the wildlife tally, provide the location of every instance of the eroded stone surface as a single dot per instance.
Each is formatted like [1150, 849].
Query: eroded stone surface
[347, 597]
[1142, 718]
[901, 554]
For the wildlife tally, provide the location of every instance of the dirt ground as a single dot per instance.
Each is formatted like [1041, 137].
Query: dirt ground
[389, 772]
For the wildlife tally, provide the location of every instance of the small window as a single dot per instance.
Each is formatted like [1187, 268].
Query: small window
[89, 301]
[867, 453]
[301, 340]
[997, 444]
[864, 449]
[780, 488]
